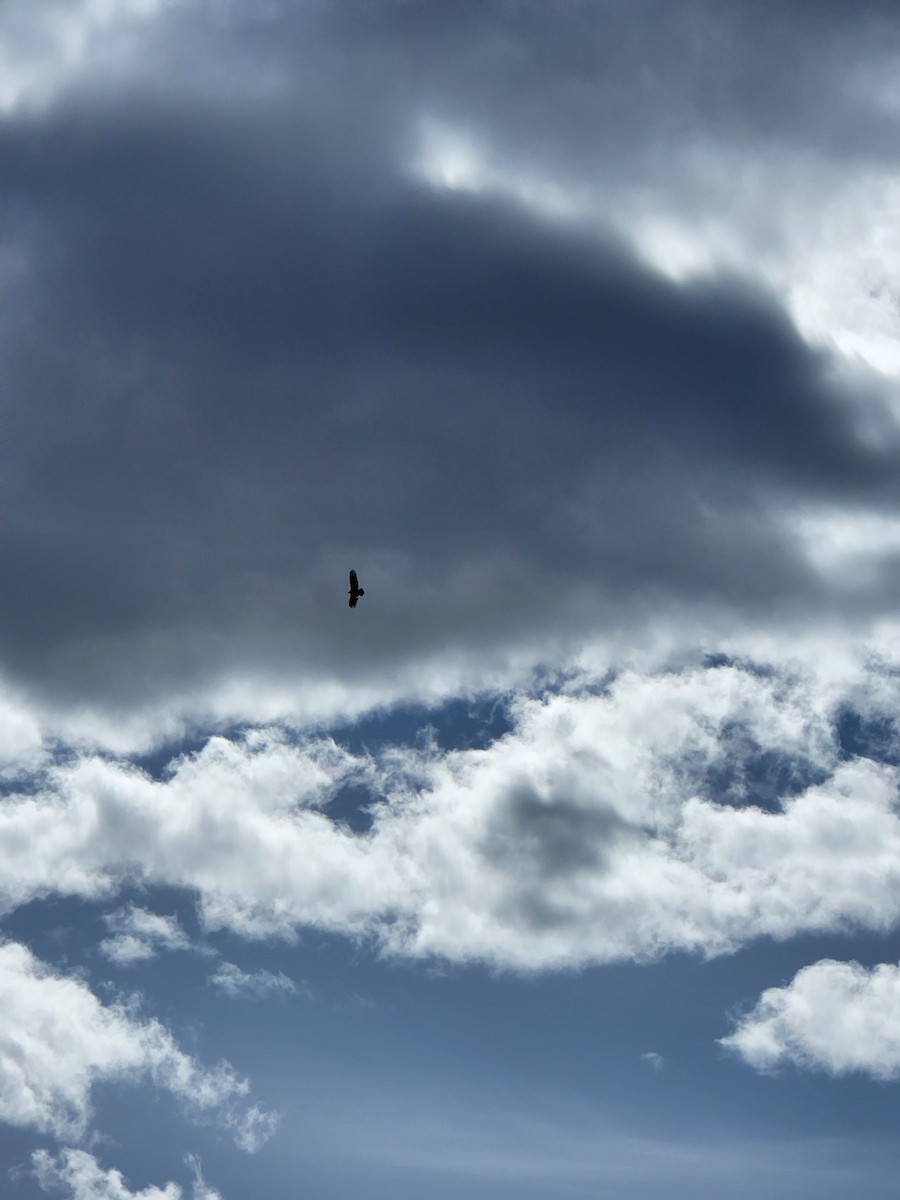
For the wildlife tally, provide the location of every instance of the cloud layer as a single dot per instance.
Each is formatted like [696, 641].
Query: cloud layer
[620, 819]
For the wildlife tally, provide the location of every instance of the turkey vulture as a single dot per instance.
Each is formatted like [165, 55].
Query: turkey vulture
[355, 590]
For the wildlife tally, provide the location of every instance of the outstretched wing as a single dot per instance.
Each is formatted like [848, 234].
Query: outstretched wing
[353, 599]
[354, 582]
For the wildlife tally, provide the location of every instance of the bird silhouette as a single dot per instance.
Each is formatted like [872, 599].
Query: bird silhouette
[355, 590]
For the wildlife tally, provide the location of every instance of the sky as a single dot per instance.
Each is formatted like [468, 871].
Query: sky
[568, 863]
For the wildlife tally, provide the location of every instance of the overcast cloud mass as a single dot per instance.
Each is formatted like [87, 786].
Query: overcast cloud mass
[575, 330]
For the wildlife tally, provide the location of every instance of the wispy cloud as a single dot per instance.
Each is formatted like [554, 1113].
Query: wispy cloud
[58, 1041]
[81, 1175]
[202, 1190]
[252, 985]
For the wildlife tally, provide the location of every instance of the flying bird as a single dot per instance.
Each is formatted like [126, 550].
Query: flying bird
[355, 590]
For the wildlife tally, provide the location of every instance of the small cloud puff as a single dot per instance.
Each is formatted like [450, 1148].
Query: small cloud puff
[652, 1059]
[139, 935]
[256, 985]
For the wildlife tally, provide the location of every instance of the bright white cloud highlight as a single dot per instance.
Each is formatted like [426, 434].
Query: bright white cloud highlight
[140, 935]
[855, 546]
[57, 1040]
[837, 1017]
[449, 160]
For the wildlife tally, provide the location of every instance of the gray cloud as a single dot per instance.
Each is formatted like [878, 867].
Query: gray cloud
[251, 349]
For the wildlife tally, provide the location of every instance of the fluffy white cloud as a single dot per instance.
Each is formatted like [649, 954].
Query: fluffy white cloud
[837, 1017]
[139, 935]
[254, 985]
[100, 822]
[82, 1178]
[596, 831]
[691, 810]
[57, 1040]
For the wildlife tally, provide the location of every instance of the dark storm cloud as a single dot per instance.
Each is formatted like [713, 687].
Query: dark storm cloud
[251, 351]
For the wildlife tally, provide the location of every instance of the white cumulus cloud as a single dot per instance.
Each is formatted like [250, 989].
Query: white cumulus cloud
[690, 810]
[838, 1017]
